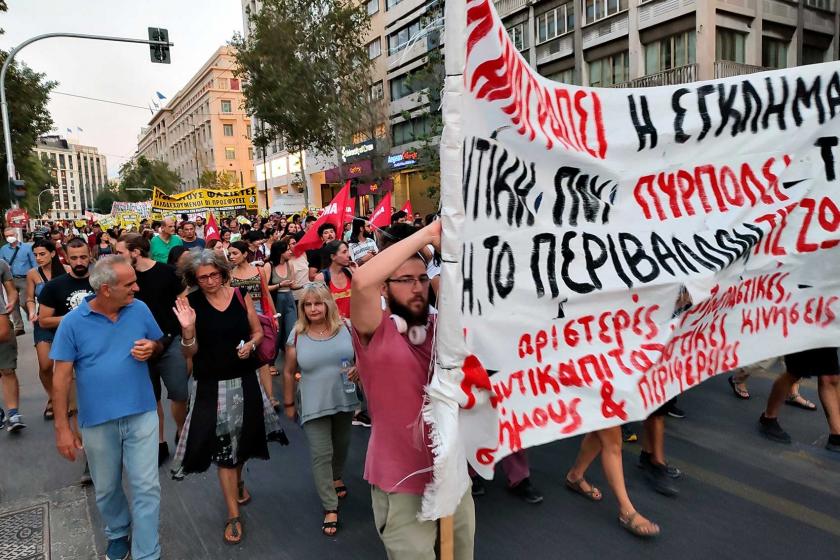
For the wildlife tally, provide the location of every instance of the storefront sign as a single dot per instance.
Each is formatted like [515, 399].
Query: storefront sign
[355, 151]
[381, 188]
[351, 170]
[404, 159]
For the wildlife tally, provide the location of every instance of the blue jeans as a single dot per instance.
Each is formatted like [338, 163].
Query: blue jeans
[130, 442]
[285, 304]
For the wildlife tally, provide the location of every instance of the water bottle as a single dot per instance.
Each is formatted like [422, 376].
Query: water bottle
[349, 386]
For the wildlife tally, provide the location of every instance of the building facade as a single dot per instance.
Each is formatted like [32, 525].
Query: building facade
[640, 43]
[81, 172]
[204, 127]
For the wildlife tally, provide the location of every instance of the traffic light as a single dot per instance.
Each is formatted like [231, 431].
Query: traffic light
[159, 53]
[18, 188]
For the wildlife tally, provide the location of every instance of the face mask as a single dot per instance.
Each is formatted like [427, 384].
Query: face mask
[11, 239]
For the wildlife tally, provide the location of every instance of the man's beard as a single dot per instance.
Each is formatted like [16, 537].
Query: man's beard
[79, 270]
[413, 319]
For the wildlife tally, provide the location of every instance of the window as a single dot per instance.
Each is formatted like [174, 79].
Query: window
[729, 45]
[374, 48]
[564, 76]
[377, 91]
[670, 52]
[227, 129]
[556, 22]
[821, 4]
[226, 106]
[610, 70]
[60, 159]
[517, 36]
[372, 7]
[250, 153]
[234, 84]
[230, 152]
[391, 3]
[812, 55]
[248, 130]
[411, 130]
[774, 53]
[599, 9]
[397, 41]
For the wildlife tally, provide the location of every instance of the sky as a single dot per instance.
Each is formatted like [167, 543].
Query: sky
[114, 71]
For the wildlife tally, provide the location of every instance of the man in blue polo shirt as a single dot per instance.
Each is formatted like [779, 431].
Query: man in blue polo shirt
[21, 260]
[109, 339]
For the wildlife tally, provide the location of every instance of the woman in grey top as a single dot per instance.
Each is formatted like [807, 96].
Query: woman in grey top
[320, 347]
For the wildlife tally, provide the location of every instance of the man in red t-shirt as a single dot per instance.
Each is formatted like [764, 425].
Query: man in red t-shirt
[393, 357]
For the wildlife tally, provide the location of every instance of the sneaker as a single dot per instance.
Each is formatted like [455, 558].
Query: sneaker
[118, 549]
[86, 479]
[361, 419]
[2, 417]
[178, 474]
[478, 486]
[526, 491]
[833, 443]
[770, 428]
[628, 436]
[163, 453]
[675, 412]
[659, 480]
[670, 470]
[15, 423]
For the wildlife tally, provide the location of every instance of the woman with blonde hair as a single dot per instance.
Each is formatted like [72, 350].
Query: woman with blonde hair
[321, 348]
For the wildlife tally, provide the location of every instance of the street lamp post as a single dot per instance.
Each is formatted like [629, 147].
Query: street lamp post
[4, 108]
[41, 214]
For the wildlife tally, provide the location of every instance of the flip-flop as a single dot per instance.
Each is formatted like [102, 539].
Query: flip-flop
[330, 524]
[48, 411]
[240, 498]
[341, 492]
[804, 404]
[740, 393]
[238, 534]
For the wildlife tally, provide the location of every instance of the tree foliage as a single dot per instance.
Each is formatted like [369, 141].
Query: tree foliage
[307, 70]
[217, 180]
[139, 176]
[106, 198]
[27, 93]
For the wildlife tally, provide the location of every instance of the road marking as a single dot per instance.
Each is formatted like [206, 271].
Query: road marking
[783, 506]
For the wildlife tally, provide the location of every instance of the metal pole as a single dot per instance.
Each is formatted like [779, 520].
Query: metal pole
[265, 177]
[40, 214]
[195, 145]
[4, 109]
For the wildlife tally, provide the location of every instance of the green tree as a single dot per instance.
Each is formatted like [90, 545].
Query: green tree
[217, 180]
[307, 70]
[27, 93]
[106, 198]
[139, 176]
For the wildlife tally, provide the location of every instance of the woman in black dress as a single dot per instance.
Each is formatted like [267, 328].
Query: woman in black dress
[230, 417]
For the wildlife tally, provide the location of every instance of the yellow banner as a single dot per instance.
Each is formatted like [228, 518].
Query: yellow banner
[202, 200]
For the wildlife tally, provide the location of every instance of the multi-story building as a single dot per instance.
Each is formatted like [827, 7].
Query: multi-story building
[639, 43]
[80, 173]
[204, 127]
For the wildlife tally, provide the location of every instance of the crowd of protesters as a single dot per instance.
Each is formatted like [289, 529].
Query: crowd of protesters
[213, 312]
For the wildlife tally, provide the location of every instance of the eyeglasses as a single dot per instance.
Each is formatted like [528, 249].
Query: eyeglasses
[315, 285]
[410, 281]
[205, 278]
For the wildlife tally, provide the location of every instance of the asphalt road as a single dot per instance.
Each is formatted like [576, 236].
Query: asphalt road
[741, 496]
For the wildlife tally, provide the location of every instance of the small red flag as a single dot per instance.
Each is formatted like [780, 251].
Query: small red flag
[211, 230]
[334, 213]
[407, 209]
[381, 216]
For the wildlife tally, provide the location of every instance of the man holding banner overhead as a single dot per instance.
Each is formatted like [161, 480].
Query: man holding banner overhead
[399, 460]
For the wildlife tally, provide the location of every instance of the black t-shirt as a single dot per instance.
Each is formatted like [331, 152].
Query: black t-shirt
[65, 293]
[159, 286]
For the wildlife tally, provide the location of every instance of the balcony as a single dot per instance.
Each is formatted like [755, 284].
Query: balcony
[726, 69]
[507, 7]
[679, 75]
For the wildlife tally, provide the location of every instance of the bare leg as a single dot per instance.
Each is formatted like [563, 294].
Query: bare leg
[266, 382]
[11, 388]
[589, 449]
[239, 480]
[161, 436]
[45, 367]
[781, 389]
[654, 442]
[228, 479]
[830, 398]
[179, 414]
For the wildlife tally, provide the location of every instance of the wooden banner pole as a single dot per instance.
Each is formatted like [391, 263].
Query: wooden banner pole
[447, 538]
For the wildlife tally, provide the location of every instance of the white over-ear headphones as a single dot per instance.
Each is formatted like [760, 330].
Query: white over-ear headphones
[416, 334]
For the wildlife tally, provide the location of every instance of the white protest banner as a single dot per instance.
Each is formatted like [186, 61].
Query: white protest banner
[607, 249]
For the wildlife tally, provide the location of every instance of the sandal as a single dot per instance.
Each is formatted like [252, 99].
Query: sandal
[275, 404]
[273, 371]
[330, 525]
[341, 491]
[647, 529]
[237, 531]
[577, 486]
[48, 411]
[241, 499]
[740, 393]
[799, 401]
